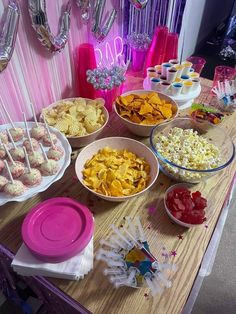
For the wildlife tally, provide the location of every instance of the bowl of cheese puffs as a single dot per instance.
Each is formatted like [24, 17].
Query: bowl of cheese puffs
[80, 119]
[141, 110]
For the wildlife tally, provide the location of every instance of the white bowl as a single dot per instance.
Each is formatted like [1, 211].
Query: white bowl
[140, 129]
[120, 143]
[81, 141]
[192, 188]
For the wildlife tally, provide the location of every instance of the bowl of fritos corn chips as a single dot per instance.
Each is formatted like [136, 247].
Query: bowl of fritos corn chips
[141, 110]
[117, 168]
[80, 119]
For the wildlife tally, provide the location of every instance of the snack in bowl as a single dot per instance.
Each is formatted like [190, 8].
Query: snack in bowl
[145, 109]
[114, 172]
[76, 117]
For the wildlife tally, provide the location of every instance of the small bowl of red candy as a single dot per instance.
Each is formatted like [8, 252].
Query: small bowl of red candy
[185, 205]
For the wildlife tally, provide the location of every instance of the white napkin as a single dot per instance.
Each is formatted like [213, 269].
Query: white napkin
[74, 268]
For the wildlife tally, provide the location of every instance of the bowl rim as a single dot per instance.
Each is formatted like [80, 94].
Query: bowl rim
[82, 136]
[110, 198]
[190, 169]
[179, 222]
[144, 92]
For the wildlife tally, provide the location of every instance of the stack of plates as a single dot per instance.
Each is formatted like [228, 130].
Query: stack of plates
[58, 241]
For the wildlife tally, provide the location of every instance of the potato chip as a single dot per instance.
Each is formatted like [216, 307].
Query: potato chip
[113, 172]
[145, 109]
[76, 117]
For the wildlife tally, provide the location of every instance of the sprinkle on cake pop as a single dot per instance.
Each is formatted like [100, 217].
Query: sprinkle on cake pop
[17, 153]
[49, 167]
[35, 159]
[4, 138]
[17, 168]
[37, 131]
[32, 176]
[2, 150]
[55, 152]
[3, 181]
[16, 133]
[49, 137]
[13, 187]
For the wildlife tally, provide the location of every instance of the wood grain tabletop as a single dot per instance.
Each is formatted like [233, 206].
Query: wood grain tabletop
[187, 246]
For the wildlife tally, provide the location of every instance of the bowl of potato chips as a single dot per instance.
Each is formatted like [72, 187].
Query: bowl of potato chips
[141, 110]
[80, 119]
[117, 168]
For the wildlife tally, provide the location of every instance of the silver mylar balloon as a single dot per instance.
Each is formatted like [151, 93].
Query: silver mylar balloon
[138, 4]
[99, 31]
[9, 32]
[84, 6]
[38, 14]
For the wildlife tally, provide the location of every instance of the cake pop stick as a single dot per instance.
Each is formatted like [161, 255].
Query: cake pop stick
[7, 114]
[43, 152]
[11, 139]
[8, 171]
[27, 160]
[27, 132]
[34, 115]
[8, 154]
[48, 132]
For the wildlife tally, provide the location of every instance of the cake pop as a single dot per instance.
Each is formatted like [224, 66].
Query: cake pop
[49, 167]
[13, 187]
[49, 138]
[17, 153]
[17, 168]
[55, 152]
[28, 146]
[32, 176]
[2, 166]
[4, 138]
[35, 159]
[37, 131]
[2, 150]
[3, 182]
[16, 133]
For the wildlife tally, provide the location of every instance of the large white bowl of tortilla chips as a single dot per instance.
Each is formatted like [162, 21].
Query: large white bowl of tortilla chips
[117, 168]
[80, 119]
[141, 110]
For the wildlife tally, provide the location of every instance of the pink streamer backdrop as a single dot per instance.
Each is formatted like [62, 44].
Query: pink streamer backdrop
[34, 74]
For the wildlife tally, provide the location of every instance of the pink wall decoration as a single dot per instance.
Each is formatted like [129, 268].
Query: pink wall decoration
[34, 74]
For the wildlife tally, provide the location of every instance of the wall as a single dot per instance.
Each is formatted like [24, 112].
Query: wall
[34, 74]
[200, 19]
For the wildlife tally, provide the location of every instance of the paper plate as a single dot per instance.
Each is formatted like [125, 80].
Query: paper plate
[46, 181]
[57, 229]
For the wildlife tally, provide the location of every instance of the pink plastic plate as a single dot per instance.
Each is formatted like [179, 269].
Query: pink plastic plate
[57, 229]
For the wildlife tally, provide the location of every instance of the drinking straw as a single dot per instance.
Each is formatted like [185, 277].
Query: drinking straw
[8, 171]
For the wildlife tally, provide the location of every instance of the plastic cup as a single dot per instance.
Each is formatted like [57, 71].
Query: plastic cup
[171, 74]
[164, 86]
[164, 68]
[157, 67]
[174, 62]
[194, 75]
[185, 77]
[223, 73]
[109, 96]
[176, 88]
[154, 83]
[179, 69]
[138, 59]
[163, 77]
[178, 80]
[196, 83]
[198, 63]
[187, 87]
[187, 66]
[171, 51]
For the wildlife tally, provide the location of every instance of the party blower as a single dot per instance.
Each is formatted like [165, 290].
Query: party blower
[130, 262]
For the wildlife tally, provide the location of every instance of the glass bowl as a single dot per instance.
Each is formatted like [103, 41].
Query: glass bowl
[214, 134]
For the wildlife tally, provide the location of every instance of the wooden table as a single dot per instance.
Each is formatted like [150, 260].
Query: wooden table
[94, 291]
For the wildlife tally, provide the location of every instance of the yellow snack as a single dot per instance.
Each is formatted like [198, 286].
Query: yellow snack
[147, 109]
[76, 117]
[115, 172]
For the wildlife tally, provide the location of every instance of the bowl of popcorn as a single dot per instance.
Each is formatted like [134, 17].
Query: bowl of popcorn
[117, 168]
[80, 119]
[141, 110]
[189, 151]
